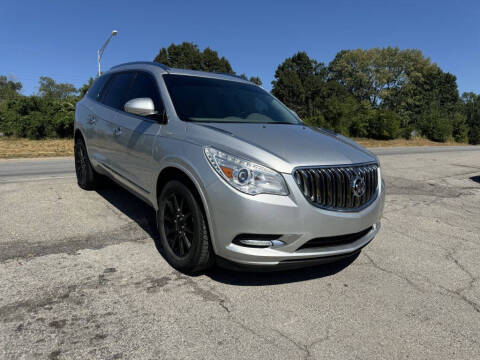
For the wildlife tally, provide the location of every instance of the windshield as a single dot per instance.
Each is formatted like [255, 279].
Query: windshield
[213, 100]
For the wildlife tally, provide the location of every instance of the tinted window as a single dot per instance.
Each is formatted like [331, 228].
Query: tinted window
[95, 90]
[213, 100]
[144, 86]
[117, 90]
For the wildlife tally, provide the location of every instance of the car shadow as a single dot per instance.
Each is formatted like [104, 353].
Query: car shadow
[130, 205]
[246, 278]
[144, 216]
[476, 179]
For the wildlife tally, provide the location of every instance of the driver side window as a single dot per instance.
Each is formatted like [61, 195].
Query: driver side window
[144, 86]
[117, 87]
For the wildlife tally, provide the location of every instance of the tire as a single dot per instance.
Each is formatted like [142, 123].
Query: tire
[87, 178]
[183, 230]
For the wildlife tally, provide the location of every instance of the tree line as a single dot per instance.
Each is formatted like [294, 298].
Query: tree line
[47, 114]
[381, 93]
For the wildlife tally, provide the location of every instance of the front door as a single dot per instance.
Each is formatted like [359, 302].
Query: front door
[111, 137]
[139, 133]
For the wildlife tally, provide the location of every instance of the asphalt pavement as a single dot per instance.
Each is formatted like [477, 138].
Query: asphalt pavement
[81, 276]
[14, 170]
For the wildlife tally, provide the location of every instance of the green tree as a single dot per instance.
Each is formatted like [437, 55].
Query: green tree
[384, 124]
[298, 82]
[83, 90]
[435, 124]
[254, 79]
[37, 117]
[354, 70]
[53, 90]
[471, 109]
[9, 88]
[339, 109]
[459, 127]
[403, 82]
[188, 56]
[378, 74]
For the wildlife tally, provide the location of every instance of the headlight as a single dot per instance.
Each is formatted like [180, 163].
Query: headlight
[245, 175]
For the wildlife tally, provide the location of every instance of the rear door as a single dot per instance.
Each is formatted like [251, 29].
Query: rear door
[111, 138]
[139, 133]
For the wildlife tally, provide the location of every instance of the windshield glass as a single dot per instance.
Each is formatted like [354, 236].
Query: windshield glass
[213, 100]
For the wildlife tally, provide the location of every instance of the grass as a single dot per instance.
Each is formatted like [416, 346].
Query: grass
[403, 142]
[24, 148]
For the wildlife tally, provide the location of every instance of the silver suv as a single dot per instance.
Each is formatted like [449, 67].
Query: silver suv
[235, 177]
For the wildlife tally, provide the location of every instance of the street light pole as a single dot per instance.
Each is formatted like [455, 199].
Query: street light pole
[102, 49]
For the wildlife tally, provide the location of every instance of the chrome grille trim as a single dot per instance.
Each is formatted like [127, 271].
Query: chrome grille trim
[330, 187]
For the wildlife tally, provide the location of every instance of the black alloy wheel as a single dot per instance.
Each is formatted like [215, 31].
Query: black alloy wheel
[183, 230]
[178, 223]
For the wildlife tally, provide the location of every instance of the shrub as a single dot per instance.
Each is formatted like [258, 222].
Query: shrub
[384, 124]
[37, 118]
[474, 134]
[436, 126]
[460, 127]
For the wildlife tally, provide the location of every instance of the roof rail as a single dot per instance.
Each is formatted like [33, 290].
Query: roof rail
[164, 67]
[233, 75]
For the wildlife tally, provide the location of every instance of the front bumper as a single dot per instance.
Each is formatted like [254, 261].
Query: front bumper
[297, 221]
[286, 264]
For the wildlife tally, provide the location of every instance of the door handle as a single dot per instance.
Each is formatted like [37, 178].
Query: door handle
[92, 119]
[117, 131]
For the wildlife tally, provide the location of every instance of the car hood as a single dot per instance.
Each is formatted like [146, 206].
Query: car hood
[281, 146]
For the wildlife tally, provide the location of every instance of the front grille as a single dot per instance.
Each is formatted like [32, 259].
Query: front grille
[334, 240]
[339, 187]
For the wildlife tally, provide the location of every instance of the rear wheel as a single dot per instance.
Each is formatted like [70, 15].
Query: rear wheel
[87, 178]
[183, 229]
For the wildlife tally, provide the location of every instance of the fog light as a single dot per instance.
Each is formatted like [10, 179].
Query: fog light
[258, 240]
[256, 243]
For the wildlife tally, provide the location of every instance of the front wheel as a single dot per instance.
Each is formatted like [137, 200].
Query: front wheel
[183, 229]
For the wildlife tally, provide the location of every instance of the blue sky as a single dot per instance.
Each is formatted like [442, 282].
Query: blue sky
[60, 38]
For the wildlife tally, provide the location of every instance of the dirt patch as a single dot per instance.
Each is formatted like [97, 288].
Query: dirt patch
[25, 148]
[403, 142]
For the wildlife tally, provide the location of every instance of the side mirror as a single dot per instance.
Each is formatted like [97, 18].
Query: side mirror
[140, 106]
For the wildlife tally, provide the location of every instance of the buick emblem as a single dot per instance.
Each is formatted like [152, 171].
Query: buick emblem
[358, 186]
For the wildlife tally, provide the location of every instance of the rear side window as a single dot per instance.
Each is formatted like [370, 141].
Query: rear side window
[95, 90]
[144, 86]
[117, 90]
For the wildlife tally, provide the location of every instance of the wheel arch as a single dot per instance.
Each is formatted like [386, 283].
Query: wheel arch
[78, 134]
[175, 172]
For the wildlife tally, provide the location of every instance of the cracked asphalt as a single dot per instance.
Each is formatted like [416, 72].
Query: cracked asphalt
[81, 278]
